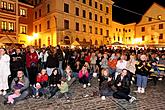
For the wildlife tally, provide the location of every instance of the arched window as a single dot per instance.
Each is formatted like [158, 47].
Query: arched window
[77, 39]
[66, 40]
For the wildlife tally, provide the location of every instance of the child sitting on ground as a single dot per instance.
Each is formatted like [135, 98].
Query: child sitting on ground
[63, 89]
[37, 90]
[16, 92]
[42, 78]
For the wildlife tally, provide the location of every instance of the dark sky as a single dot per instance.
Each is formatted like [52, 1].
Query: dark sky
[139, 6]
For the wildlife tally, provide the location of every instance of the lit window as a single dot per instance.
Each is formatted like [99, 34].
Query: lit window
[11, 6]
[11, 26]
[159, 17]
[22, 12]
[4, 5]
[23, 29]
[4, 25]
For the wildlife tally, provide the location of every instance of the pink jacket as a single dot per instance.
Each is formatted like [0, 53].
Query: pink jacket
[80, 74]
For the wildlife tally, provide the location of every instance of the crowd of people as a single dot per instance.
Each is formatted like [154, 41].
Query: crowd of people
[52, 71]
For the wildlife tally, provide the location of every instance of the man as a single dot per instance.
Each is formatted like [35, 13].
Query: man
[24, 91]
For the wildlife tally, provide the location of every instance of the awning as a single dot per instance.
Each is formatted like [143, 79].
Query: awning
[75, 43]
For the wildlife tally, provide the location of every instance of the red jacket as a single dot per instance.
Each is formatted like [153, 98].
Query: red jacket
[42, 78]
[31, 57]
[87, 58]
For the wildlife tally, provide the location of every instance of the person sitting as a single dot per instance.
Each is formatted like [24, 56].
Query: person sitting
[84, 76]
[122, 83]
[42, 78]
[37, 90]
[54, 79]
[105, 84]
[68, 74]
[24, 91]
[64, 88]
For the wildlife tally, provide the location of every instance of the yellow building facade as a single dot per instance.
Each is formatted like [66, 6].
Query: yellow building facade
[66, 21]
[151, 29]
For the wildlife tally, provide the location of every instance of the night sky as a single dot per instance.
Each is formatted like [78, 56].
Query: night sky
[139, 6]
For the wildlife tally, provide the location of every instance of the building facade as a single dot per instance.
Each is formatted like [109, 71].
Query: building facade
[15, 21]
[151, 29]
[66, 21]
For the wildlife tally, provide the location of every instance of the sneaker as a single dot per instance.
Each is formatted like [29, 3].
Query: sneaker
[89, 84]
[132, 99]
[84, 86]
[4, 93]
[142, 90]
[103, 98]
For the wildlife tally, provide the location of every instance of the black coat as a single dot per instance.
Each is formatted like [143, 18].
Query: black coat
[52, 61]
[54, 79]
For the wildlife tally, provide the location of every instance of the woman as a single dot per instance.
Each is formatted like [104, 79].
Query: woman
[4, 71]
[84, 76]
[68, 74]
[122, 83]
[112, 64]
[131, 64]
[42, 78]
[105, 84]
[142, 73]
[54, 79]
[32, 65]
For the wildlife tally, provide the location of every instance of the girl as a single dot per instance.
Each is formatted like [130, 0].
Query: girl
[84, 76]
[42, 78]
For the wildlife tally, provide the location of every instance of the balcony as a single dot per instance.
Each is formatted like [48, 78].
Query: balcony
[5, 31]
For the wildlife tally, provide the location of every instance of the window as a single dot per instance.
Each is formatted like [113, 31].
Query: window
[77, 26]
[152, 37]
[77, 11]
[48, 8]
[107, 33]
[35, 28]
[129, 38]
[90, 2]
[39, 12]
[159, 17]
[149, 19]
[95, 17]
[107, 21]
[119, 30]
[101, 19]
[84, 28]
[84, 14]
[161, 36]
[39, 27]
[101, 7]
[118, 38]
[90, 29]
[84, 1]
[96, 30]
[66, 24]
[90, 15]
[143, 38]
[129, 30]
[95, 4]
[101, 31]
[10, 6]
[22, 12]
[153, 27]
[11, 26]
[48, 24]
[23, 29]
[35, 15]
[143, 29]
[160, 26]
[4, 5]
[116, 29]
[66, 8]
[114, 38]
[107, 10]
[4, 25]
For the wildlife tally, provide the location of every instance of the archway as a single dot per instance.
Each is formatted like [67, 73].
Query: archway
[77, 39]
[66, 40]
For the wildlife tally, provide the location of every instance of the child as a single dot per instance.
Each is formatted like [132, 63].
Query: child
[42, 78]
[84, 76]
[63, 89]
[16, 93]
[37, 90]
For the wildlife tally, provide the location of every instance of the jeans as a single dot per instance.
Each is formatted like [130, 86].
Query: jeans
[142, 81]
[53, 90]
[84, 80]
[122, 94]
[60, 68]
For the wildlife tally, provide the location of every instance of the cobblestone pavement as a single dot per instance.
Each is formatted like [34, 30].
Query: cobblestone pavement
[153, 99]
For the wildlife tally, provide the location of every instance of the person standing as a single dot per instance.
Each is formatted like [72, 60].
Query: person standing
[32, 65]
[4, 71]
